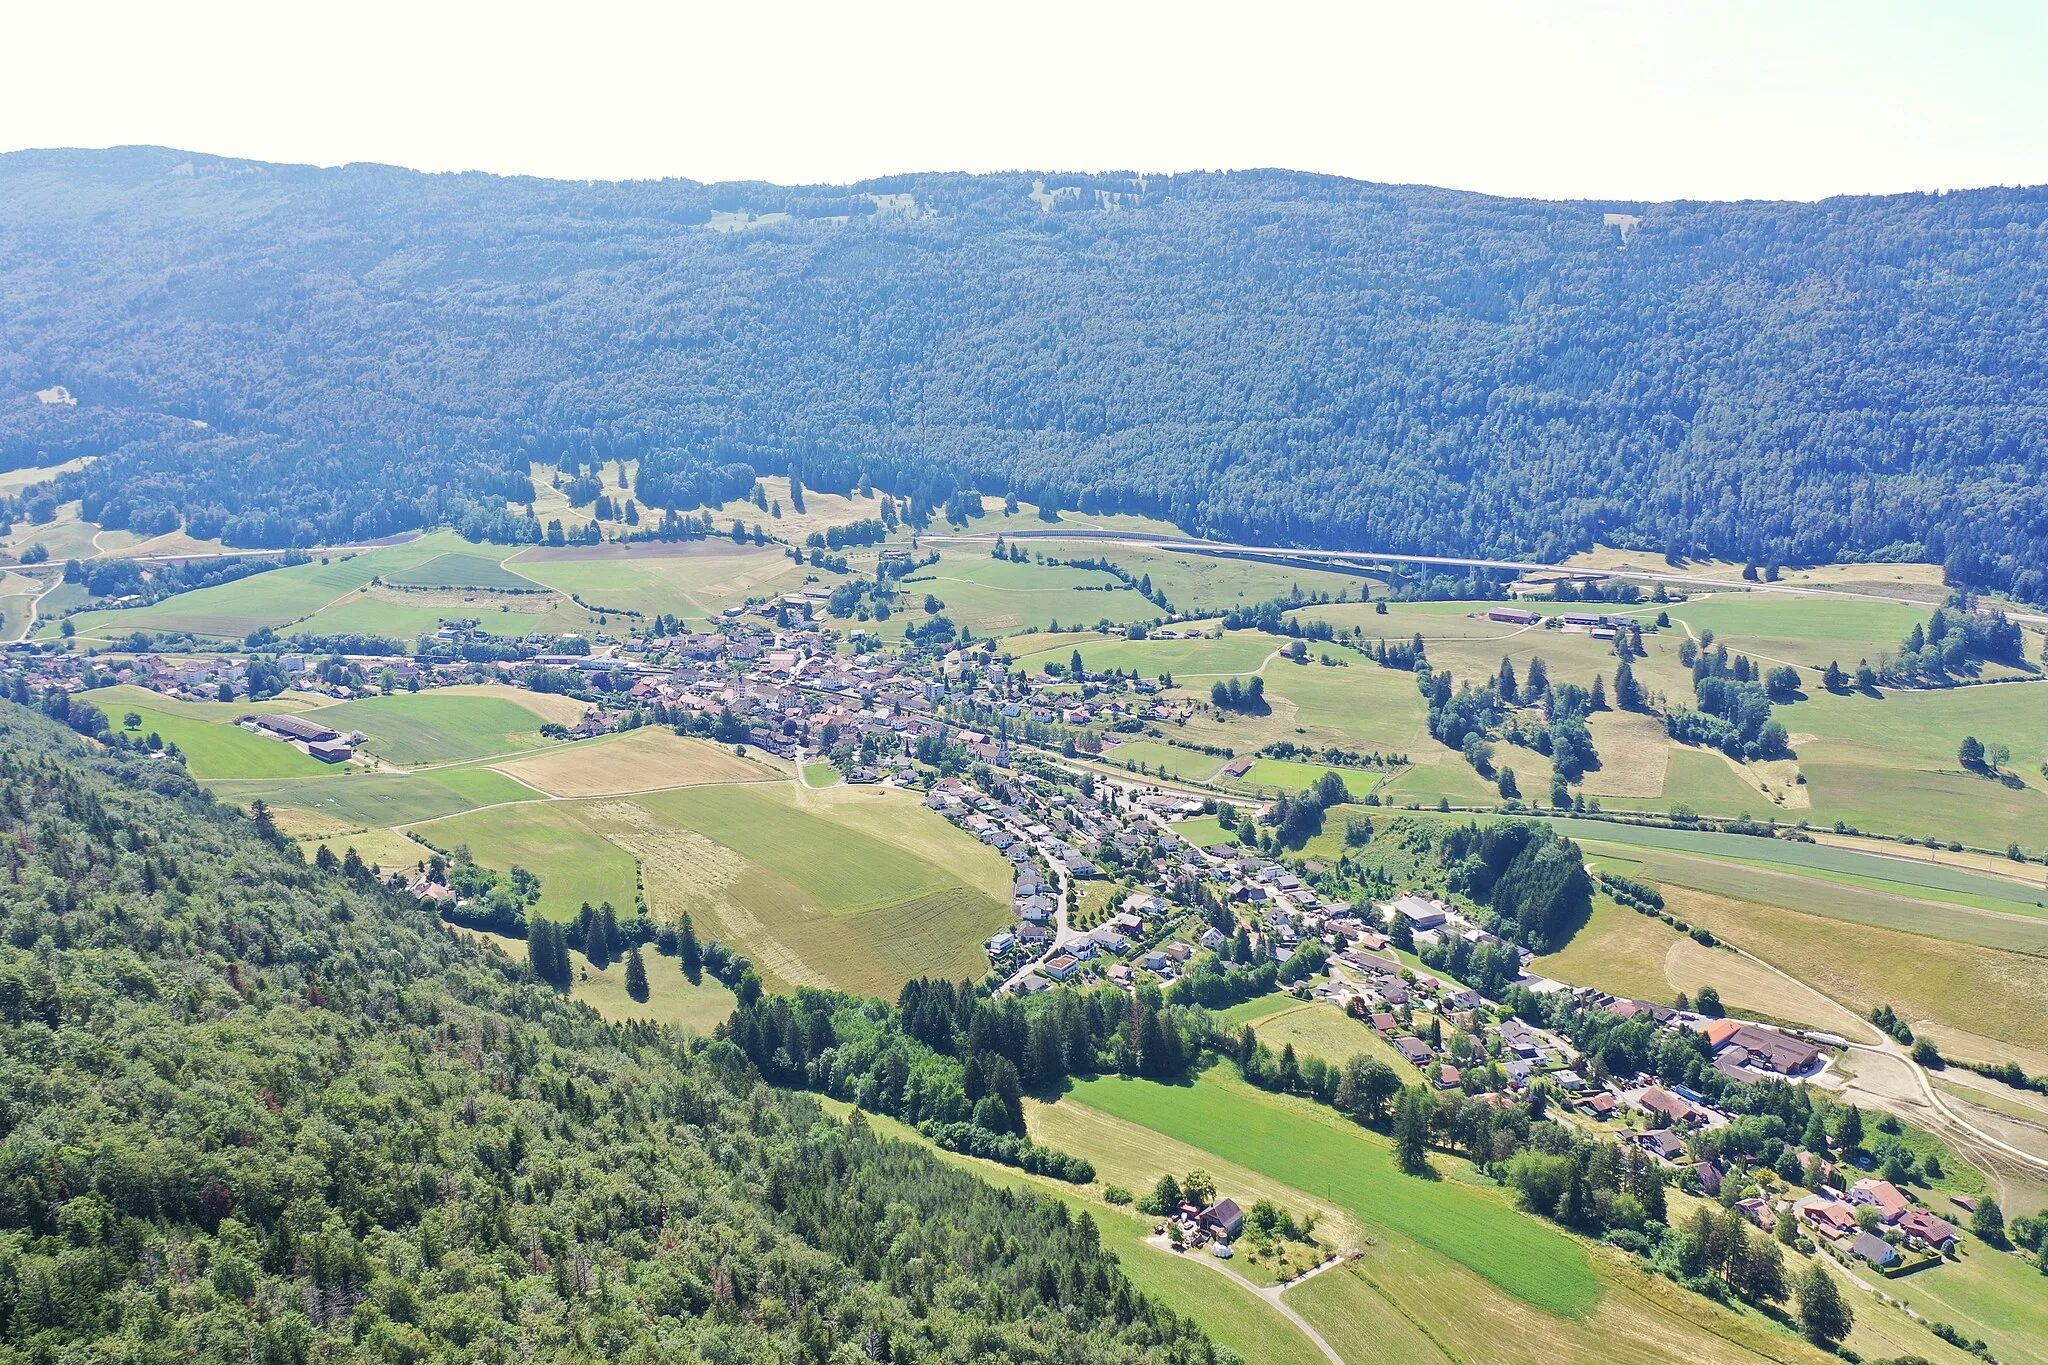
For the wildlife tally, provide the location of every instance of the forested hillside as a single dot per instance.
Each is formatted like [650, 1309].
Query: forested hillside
[252, 1111]
[1267, 355]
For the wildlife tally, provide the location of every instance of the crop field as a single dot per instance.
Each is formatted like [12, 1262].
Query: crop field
[694, 579]
[405, 615]
[461, 569]
[214, 746]
[1905, 875]
[636, 760]
[1323, 1154]
[1237, 654]
[1635, 755]
[411, 728]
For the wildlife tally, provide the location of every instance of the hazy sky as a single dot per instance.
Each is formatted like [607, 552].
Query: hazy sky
[1593, 99]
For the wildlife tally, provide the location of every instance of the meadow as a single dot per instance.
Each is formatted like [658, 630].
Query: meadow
[1317, 1151]
[440, 726]
[348, 801]
[1237, 654]
[848, 887]
[213, 745]
[1316, 1029]
[992, 596]
[462, 569]
[646, 759]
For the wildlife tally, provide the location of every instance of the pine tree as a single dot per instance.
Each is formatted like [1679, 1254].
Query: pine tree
[691, 953]
[636, 976]
[1823, 1315]
[1505, 683]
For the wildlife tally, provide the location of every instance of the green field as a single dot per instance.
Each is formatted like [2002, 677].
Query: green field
[275, 597]
[1807, 632]
[214, 746]
[996, 597]
[1283, 774]
[1164, 759]
[1322, 1030]
[461, 569]
[848, 887]
[379, 800]
[1235, 655]
[411, 728]
[823, 774]
[555, 840]
[1316, 1151]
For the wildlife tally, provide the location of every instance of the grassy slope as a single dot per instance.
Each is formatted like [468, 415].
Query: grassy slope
[213, 747]
[428, 727]
[1318, 1152]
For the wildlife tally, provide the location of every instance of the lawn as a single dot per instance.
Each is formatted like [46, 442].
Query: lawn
[1284, 774]
[1318, 1152]
[412, 728]
[996, 597]
[213, 747]
[1165, 760]
[823, 774]
[1317, 1029]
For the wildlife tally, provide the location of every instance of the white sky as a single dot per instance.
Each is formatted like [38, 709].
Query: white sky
[1548, 98]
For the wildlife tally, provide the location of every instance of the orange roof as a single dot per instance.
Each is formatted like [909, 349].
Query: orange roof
[1721, 1030]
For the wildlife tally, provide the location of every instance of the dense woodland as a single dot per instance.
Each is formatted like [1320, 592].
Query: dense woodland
[253, 1110]
[1267, 355]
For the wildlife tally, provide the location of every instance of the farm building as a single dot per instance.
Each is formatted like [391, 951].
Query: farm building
[296, 727]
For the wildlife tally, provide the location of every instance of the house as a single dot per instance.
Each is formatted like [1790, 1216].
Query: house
[1063, 967]
[1448, 1077]
[1598, 1105]
[1768, 1050]
[1886, 1197]
[1874, 1249]
[1001, 943]
[1673, 1109]
[1938, 1233]
[1830, 1218]
[1758, 1211]
[1414, 1049]
[1661, 1142]
[1224, 1218]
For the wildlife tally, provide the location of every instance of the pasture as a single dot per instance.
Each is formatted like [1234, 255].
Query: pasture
[1285, 774]
[436, 726]
[1163, 759]
[1315, 1150]
[213, 745]
[556, 840]
[1806, 632]
[1322, 1030]
[462, 569]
